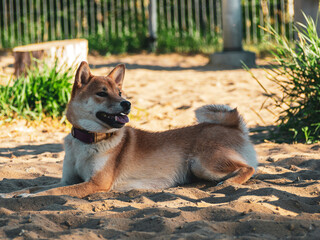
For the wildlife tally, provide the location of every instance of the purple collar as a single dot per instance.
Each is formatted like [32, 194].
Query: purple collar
[89, 137]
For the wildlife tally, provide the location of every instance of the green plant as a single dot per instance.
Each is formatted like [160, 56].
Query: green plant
[113, 44]
[44, 91]
[172, 41]
[297, 73]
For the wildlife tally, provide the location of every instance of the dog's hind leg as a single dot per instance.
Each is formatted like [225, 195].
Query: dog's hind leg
[222, 165]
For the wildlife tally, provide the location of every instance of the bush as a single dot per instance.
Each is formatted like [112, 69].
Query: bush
[118, 45]
[42, 92]
[297, 74]
[169, 41]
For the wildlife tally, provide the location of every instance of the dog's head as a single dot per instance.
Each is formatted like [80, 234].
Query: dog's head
[96, 104]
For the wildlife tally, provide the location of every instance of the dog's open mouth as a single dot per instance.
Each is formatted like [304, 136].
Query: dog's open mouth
[113, 120]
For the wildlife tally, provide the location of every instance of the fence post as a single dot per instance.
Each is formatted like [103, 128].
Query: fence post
[232, 25]
[152, 24]
[232, 54]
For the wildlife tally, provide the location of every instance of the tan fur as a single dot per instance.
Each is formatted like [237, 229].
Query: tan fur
[216, 148]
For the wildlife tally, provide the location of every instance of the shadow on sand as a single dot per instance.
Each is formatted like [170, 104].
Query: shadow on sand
[23, 150]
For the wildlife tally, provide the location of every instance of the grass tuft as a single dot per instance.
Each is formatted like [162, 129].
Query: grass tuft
[296, 72]
[43, 92]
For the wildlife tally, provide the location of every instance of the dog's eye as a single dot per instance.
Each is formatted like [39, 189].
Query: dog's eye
[102, 94]
[120, 93]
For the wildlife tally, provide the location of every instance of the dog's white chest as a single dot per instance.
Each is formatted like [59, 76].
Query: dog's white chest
[88, 166]
[85, 159]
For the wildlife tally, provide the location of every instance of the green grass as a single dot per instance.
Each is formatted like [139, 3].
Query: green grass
[117, 45]
[296, 72]
[43, 92]
[167, 42]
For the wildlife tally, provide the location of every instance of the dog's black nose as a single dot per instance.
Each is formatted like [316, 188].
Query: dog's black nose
[126, 105]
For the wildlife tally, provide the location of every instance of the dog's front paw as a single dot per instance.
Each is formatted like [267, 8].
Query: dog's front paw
[24, 195]
[4, 195]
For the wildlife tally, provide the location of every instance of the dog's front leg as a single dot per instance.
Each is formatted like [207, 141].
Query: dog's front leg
[30, 190]
[69, 177]
[79, 190]
[102, 182]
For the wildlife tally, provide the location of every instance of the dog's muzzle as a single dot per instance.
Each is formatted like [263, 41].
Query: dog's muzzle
[116, 120]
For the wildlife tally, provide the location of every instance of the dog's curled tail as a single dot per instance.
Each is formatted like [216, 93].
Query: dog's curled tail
[221, 114]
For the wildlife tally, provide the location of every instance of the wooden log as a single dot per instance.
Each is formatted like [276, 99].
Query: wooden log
[66, 52]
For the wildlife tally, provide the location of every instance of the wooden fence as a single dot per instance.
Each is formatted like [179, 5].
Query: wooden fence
[31, 21]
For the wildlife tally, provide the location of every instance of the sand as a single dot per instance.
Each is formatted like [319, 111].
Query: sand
[280, 202]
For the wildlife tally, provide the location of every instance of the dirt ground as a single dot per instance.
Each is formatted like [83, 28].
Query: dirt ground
[280, 202]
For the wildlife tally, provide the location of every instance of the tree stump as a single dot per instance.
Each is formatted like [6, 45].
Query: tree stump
[66, 52]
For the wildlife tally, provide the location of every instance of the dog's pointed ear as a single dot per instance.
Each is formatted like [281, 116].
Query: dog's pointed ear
[83, 74]
[117, 74]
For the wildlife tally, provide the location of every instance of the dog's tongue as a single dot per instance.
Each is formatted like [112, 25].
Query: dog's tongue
[122, 118]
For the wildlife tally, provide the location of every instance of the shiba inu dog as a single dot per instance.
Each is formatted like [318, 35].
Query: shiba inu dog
[102, 154]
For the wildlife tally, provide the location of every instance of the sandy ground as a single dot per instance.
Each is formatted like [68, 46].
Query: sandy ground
[280, 202]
